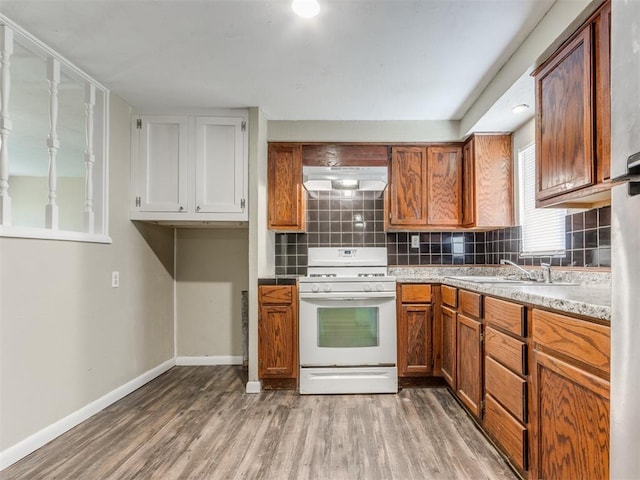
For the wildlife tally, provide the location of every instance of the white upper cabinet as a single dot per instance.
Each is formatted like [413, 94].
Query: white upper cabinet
[220, 183]
[190, 168]
[160, 143]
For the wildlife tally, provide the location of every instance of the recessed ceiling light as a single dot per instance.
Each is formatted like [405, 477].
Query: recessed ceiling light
[306, 8]
[523, 107]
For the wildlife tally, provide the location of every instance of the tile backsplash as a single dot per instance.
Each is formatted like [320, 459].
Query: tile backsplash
[588, 238]
[437, 248]
[334, 220]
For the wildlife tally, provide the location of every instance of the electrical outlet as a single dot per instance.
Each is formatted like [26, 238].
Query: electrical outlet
[115, 279]
[415, 241]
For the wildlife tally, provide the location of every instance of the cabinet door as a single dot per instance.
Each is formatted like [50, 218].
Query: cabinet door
[285, 191]
[221, 166]
[277, 342]
[572, 427]
[160, 163]
[564, 120]
[493, 180]
[444, 186]
[469, 363]
[449, 346]
[408, 186]
[415, 340]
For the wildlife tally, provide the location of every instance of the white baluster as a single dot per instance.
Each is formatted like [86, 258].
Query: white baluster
[6, 49]
[53, 74]
[89, 158]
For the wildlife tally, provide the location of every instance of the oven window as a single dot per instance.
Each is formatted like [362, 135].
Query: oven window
[348, 327]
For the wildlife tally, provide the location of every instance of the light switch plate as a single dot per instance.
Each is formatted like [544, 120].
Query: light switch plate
[415, 241]
[115, 279]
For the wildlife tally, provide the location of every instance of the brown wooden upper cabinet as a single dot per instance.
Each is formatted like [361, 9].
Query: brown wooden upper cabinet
[444, 185]
[407, 187]
[425, 187]
[573, 118]
[286, 196]
[487, 186]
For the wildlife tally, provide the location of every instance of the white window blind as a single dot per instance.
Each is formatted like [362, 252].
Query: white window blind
[543, 230]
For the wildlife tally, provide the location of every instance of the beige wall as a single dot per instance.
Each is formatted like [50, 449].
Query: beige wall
[364, 131]
[66, 337]
[563, 17]
[212, 270]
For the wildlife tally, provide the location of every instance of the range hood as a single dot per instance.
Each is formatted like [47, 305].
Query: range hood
[344, 178]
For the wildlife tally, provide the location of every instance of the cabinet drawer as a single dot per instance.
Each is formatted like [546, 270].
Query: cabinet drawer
[506, 315]
[507, 431]
[581, 340]
[509, 351]
[506, 387]
[449, 295]
[276, 294]
[415, 293]
[470, 303]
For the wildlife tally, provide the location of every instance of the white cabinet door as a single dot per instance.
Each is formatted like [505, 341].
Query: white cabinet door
[221, 162]
[162, 151]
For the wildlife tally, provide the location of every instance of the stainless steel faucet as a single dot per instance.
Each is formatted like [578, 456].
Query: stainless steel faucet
[504, 261]
[546, 272]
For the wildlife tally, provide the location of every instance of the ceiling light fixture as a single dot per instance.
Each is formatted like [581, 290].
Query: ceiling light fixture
[523, 107]
[306, 8]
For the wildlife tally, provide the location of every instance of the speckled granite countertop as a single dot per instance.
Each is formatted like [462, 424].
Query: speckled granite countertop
[592, 298]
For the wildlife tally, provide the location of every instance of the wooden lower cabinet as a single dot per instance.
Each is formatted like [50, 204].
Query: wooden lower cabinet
[571, 397]
[506, 381]
[469, 363]
[510, 434]
[448, 316]
[536, 381]
[278, 334]
[572, 421]
[415, 331]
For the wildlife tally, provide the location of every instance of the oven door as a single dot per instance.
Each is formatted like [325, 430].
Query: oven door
[346, 329]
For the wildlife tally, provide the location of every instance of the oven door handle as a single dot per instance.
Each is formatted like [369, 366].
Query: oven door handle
[340, 296]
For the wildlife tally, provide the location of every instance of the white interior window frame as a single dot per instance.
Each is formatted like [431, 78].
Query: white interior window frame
[556, 215]
[100, 176]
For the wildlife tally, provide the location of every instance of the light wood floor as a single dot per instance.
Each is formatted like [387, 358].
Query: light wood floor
[197, 423]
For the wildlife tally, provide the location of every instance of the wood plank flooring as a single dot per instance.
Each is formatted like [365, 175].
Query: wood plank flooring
[197, 423]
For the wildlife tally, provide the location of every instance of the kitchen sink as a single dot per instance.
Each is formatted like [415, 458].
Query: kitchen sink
[505, 282]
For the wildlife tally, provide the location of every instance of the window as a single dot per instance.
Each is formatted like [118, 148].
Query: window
[542, 228]
[53, 144]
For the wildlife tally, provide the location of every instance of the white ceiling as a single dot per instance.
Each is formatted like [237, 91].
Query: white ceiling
[358, 60]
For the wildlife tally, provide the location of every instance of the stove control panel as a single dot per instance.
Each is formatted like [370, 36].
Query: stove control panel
[352, 285]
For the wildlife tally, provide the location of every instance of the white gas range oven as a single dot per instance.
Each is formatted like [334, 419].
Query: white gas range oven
[347, 322]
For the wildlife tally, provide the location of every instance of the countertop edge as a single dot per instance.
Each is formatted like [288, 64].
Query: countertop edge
[560, 301]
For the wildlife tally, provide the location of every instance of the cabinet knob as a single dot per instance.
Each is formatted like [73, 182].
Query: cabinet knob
[181, 209]
[198, 208]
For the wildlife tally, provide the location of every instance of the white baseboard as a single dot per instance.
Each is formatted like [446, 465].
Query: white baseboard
[253, 387]
[212, 360]
[40, 438]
